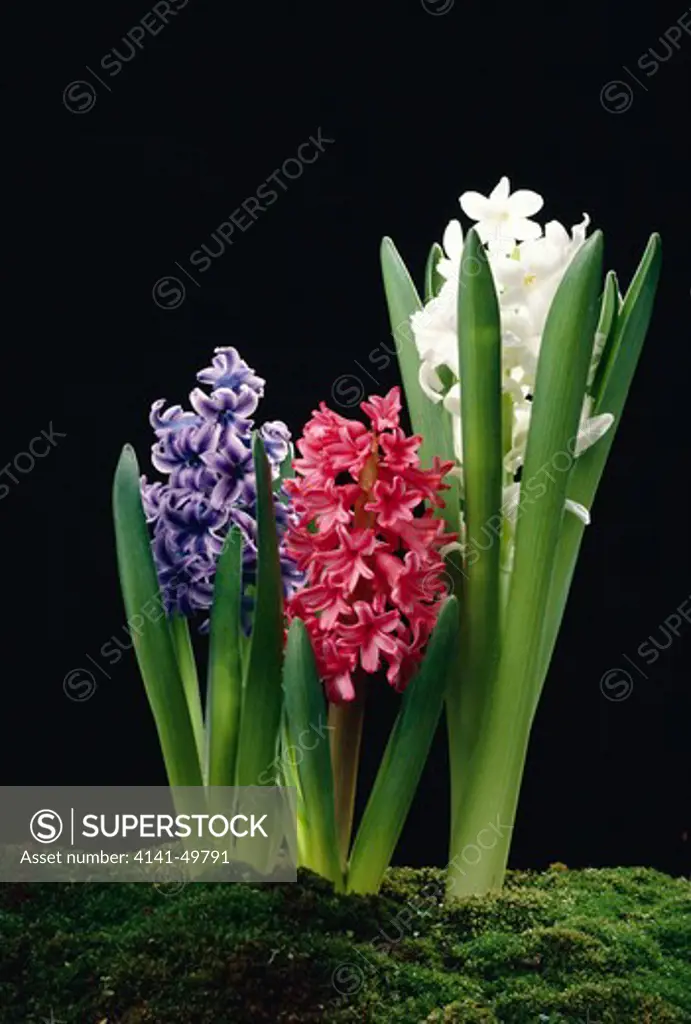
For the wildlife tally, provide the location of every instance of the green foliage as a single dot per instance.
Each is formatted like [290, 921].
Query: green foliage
[404, 759]
[171, 699]
[262, 702]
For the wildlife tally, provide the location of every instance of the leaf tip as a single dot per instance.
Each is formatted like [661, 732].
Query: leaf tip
[388, 252]
[654, 246]
[296, 629]
[596, 241]
[127, 462]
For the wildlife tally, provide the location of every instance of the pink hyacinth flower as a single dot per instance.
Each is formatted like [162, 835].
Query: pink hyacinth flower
[368, 545]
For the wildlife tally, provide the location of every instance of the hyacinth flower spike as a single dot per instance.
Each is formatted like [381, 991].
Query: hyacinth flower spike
[370, 548]
[517, 367]
[206, 543]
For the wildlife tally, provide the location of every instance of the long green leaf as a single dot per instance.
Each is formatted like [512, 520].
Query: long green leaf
[494, 769]
[404, 759]
[631, 328]
[606, 331]
[184, 652]
[288, 776]
[479, 347]
[630, 331]
[153, 643]
[306, 720]
[262, 698]
[224, 687]
[563, 366]
[430, 421]
[562, 371]
[479, 341]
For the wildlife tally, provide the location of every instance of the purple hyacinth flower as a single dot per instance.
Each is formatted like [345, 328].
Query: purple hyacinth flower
[249, 581]
[192, 521]
[230, 409]
[282, 511]
[293, 579]
[207, 456]
[247, 525]
[174, 418]
[152, 496]
[230, 466]
[184, 576]
[181, 453]
[229, 370]
[276, 438]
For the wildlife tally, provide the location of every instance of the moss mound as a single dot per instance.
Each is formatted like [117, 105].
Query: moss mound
[562, 947]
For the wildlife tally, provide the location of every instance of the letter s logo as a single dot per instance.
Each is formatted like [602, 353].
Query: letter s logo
[46, 826]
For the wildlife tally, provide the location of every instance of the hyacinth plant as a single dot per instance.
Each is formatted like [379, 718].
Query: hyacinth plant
[371, 551]
[516, 365]
[206, 544]
[306, 587]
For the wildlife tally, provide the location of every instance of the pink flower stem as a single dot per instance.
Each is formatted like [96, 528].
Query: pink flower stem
[345, 723]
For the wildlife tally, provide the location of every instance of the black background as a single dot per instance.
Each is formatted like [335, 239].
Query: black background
[421, 106]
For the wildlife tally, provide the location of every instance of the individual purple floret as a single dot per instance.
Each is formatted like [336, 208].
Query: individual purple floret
[206, 455]
[228, 370]
[276, 438]
[181, 453]
[193, 523]
[174, 418]
[230, 409]
[233, 469]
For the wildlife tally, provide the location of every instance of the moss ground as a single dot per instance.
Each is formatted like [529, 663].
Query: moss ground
[561, 947]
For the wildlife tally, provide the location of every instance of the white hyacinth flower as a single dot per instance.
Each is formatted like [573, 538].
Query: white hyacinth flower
[452, 244]
[527, 266]
[502, 218]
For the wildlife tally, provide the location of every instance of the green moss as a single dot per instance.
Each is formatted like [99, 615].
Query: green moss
[562, 947]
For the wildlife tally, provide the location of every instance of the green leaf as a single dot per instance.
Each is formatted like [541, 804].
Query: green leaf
[479, 348]
[629, 334]
[262, 699]
[288, 776]
[563, 365]
[184, 652]
[307, 717]
[153, 643]
[482, 409]
[429, 420]
[404, 759]
[433, 279]
[604, 336]
[631, 328]
[488, 790]
[224, 687]
[403, 301]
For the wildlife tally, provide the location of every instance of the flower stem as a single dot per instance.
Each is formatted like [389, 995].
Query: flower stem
[345, 725]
